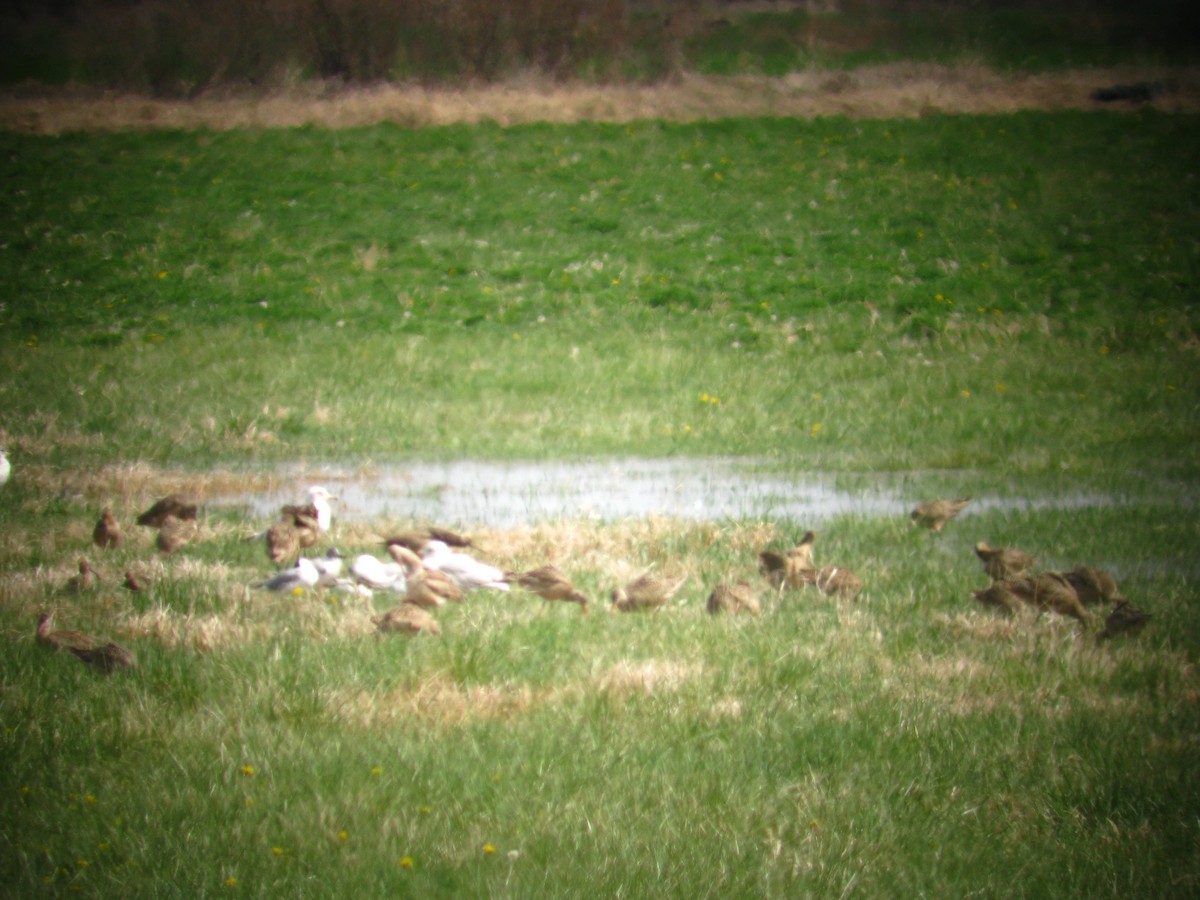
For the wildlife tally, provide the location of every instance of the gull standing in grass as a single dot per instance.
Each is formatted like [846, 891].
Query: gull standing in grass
[303, 576]
[934, 514]
[470, 573]
[329, 567]
[378, 575]
[107, 533]
[550, 583]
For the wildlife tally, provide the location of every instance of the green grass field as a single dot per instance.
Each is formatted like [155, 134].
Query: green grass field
[1002, 307]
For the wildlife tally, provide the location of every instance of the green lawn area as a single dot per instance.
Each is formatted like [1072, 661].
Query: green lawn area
[998, 307]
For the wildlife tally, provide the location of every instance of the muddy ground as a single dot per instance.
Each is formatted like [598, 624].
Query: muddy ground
[892, 91]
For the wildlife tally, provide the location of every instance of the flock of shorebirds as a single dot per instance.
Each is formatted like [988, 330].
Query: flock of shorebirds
[431, 566]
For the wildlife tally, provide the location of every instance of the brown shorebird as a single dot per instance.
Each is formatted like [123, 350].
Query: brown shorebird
[63, 638]
[733, 599]
[834, 581]
[131, 582]
[171, 505]
[550, 583]
[1124, 619]
[283, 541]
[1003, 562]
[785, 569]
[1093, 586]
[415, 539]
[84, 581]
[424, 587]
[407, 618]
[106, 658]
[647, 591]
[107, 533]
[934, 514]
[174, 533]
[1000, 598]
[1049, 592]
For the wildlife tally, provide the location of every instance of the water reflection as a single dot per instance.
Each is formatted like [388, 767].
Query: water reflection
[506, 494]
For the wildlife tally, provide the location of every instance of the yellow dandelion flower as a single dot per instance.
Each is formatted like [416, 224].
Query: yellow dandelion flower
[1000, 388]
[82, 863]
[406, 862]
[230, 881]
[279, 851]
[1105, 349]
[1170, 387]
[616, 281]
[103, 847]
[163, 274]
[816, 427]
[376, 770]
[248, 771]
[489, 849]
[343, 835]
[90, 798]
[424, 810]
[965, 392]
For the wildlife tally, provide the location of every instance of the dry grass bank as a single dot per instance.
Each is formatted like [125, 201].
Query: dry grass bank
[890, 91]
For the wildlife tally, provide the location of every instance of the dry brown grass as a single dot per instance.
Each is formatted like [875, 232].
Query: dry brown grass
[888, 91]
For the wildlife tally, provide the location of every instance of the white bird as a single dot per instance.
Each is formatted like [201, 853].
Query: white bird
[303, 576]
[351, 588]
[5, 466]
[469, 572]
[329, 567]
[377, 574]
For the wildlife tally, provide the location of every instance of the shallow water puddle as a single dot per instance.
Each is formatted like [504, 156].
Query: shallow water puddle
[508, 494]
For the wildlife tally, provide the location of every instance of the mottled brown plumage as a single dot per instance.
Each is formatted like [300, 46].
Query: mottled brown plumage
[171, 505]
[834, 581]
[107, 533]
[934, 514]
[647, 591]
[84, 581]
[283, 541]
[1093, 586]
[1124, 619]
[785, 569]
[424, 587]
[63, 638]
[733, 599]
[131, 582]
[407, 618]
[1049, 592]
[550, 583]
[999, 598]
[175, 533]
[1003, 562]
[415, 539]
[107, 658]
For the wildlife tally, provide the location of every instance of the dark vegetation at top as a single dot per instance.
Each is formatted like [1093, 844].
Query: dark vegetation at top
[183, 47]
